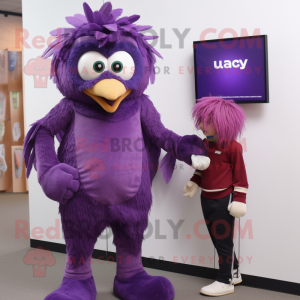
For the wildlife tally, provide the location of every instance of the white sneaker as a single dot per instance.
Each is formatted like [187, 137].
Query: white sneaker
[217, 289]
[237, 277]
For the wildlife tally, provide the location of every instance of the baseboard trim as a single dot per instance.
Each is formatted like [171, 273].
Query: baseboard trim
[248, 280]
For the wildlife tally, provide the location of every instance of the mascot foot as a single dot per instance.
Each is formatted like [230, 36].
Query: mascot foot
[144, 287]
[72, 289]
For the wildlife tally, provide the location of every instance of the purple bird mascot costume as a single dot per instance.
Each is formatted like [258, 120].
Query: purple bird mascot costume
[110, 138]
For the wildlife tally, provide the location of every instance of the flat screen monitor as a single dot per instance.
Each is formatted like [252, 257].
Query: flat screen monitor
[235, 68]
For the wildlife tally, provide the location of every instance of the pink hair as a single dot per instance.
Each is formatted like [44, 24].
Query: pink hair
[226, 116]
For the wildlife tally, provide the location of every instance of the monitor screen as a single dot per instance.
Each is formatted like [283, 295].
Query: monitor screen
[235, 68]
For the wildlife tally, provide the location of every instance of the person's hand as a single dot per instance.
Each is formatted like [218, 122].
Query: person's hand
[200, 162]
[190, 189]
[237, 209]
[60, 183]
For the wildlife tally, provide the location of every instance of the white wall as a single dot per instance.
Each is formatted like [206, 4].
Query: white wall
[271, 135]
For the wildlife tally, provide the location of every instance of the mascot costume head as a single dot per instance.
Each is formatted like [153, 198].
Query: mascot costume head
[122, 69]
[110, 138]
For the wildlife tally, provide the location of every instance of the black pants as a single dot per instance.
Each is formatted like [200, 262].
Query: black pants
[220, 225]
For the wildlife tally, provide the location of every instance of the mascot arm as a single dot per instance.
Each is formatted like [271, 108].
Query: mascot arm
[59, 181]
[177, 147]
[182, 148]
[237, 207]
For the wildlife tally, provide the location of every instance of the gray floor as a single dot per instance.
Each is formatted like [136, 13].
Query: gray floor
[17, 280]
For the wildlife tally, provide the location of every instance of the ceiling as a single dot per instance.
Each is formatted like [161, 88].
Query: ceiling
[11, 5]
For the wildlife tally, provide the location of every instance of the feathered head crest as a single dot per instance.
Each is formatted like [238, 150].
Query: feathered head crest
[105, 27]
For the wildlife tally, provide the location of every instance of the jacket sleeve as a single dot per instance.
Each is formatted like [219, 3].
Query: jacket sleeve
[196, 177]
[39, 142]
[180, 147]
[240, 182]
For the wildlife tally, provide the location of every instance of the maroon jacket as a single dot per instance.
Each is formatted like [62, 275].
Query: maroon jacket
[225, 174]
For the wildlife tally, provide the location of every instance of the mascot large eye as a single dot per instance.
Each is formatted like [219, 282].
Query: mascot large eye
[121, 63]
[91, 64]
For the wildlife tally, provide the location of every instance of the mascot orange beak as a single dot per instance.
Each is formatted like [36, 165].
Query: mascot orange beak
[110, 89]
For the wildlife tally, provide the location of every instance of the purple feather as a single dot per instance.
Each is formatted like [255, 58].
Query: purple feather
[29, 152]
[111, 27]
[133, 18]
[103, 42]
[116, 12]
[152, 75]
[150, 37]
[167, 165]
[98, 18]
[50, 47]
[106, 8]
[113, 37]
[156, 52]
[60, 135]
[100, 35]
[92, 26]
[81, 17]
[142, 27]
[53, 32]
[88, 12]
[127, 28]
[123, 21]
[74, 21]
[140, 44]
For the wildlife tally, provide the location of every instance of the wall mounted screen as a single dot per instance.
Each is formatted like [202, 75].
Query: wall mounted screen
[235, 68]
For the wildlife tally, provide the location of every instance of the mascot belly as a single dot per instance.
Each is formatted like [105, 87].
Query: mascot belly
[109, 157]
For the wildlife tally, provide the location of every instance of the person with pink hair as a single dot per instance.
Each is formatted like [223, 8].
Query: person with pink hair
[224, 184]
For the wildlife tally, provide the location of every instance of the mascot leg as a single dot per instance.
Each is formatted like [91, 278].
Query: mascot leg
[81, 231]
[132, 281]
[78, 282]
